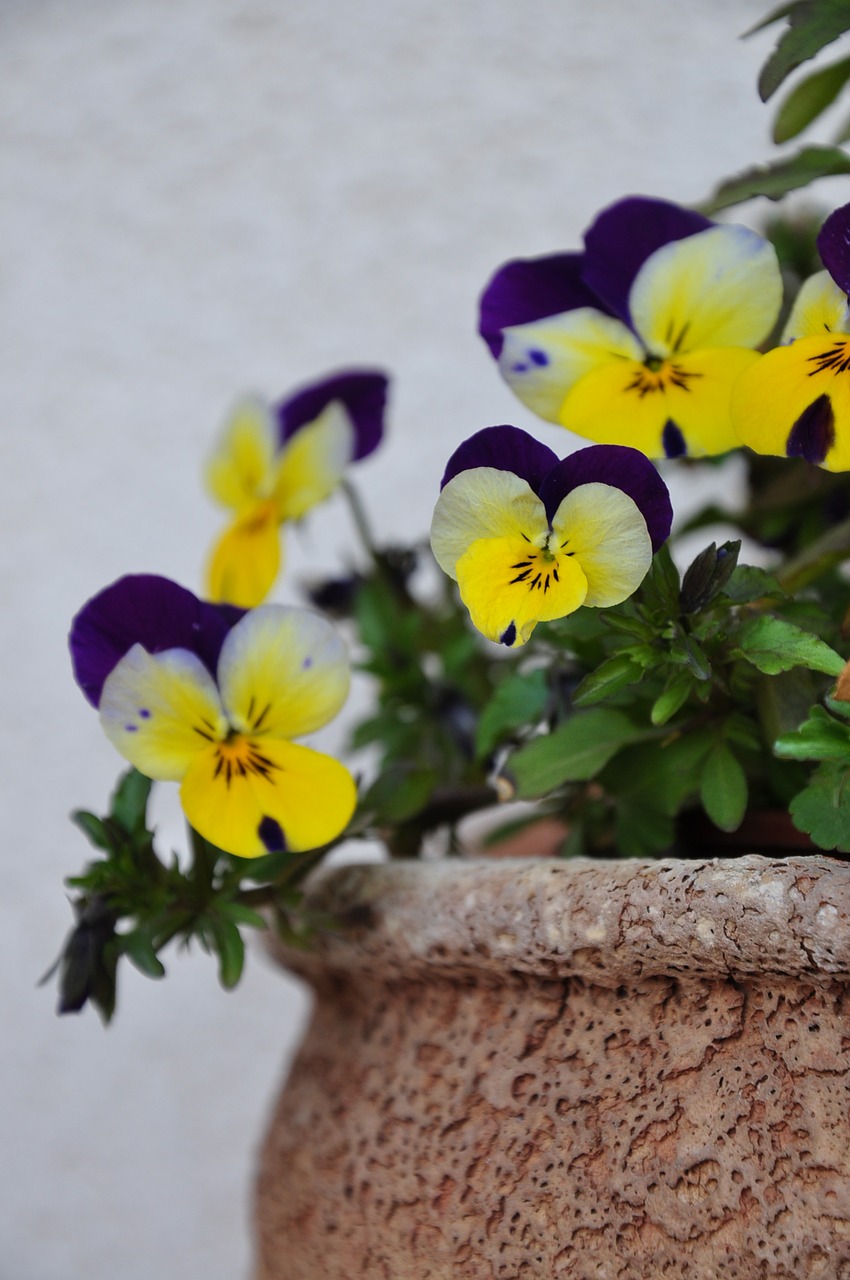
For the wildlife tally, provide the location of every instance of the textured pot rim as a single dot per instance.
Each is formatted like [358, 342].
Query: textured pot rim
[605, 921]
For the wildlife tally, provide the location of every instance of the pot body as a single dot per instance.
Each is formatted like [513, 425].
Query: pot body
[590, 1070]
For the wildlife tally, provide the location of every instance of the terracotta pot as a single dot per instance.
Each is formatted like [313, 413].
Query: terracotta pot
[577, 1069]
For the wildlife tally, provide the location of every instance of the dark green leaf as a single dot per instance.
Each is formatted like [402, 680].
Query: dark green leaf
[808, 99]
[673, 697]
[775, 15]
[696, 658]
[575, 752]
[130, 801]
[749, 583]
[822, 809]
[723, 788]
[776, 180]
[94, 828]
[240, 914]
[642, 831]
[518, 702]
[399, 793]
[613, 675]
[139, 949]
[659, 591]
[820, 737]
[708, 575]
[773, 645]
[813, 24]
[231, 950]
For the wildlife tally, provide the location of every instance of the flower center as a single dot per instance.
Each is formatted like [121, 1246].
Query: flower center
[538, 568]
[238, 756]
[656, 375]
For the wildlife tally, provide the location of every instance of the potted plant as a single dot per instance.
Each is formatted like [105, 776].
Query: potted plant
[630, 1055]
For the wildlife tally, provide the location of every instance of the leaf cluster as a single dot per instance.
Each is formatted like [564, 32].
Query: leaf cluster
[678, 697]
[129, 903]
[809, 27]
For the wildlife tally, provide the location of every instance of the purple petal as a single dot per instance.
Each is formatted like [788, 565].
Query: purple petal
[505, 449]
[625, 469]
[621, 239]
[148, 610]
[362, 391]
[529, 289]
[834, 246]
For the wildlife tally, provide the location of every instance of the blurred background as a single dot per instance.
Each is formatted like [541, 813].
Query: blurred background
[202, 198]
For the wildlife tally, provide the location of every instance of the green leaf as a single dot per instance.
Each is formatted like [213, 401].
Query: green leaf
[813, 24]
[519, 701]
[240, 914]
[749, 583]
[574, 752]
[776, 15]
[673, 697]
[399, 793]
[723, 788]
[231, 950]
[130, 801]
[776, 180]
[820, 737]
[613, 675]
[773, 645]
[659, 591]
[139, 949]
[642, 831]
[696, 658]
[94, 828]
[822, 809]
[808, 99]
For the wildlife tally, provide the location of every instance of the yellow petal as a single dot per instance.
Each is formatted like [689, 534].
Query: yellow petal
[542, 360]
[509, 586]
[681, 407]
[719, 288]
[246, 559]
[252, 796]
[313, 461]
[483, 503]
[241, 470]
[607, 533]
[820, 308]
[795, 401]
[160, 710]
[282, 672]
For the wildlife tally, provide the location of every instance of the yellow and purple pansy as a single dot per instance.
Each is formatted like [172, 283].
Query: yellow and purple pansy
[639, 339]
[274, 462]
[795, 401]
[530, 538]
[211, 697]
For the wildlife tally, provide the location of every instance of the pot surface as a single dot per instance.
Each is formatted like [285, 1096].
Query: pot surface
[576, 1069]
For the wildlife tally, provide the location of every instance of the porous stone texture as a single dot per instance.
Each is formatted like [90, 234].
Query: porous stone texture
[583, 1069]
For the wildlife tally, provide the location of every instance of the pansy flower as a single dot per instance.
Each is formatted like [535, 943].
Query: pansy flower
[530, 538]
[211, 697]
[795, 401]
[639, 339]
[274, 462]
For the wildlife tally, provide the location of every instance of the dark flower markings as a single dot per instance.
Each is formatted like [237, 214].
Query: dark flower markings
[647, 380]
[673, 441]
[836, 358]
[239, 757]
[813, 434]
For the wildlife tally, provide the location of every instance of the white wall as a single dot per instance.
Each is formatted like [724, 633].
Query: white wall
[202, 197]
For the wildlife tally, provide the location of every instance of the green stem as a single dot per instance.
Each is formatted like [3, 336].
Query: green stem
[361, 522]
[830, 549]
